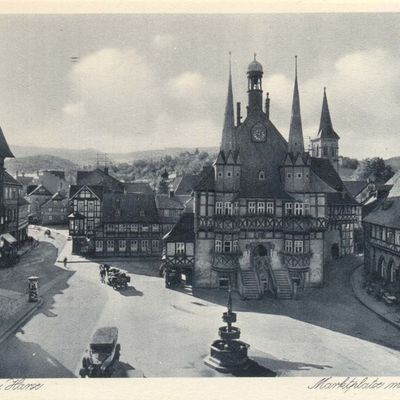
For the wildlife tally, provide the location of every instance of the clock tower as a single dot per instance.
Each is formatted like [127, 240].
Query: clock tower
[254, 85]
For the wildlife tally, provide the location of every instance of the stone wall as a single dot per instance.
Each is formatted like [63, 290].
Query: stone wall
[203, 263]
[316, 274]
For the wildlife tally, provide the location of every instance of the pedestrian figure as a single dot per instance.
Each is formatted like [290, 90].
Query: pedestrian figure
[102, 274]
[65, 262]
[107, 267]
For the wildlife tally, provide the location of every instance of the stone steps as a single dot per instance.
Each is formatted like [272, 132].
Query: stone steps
[284, 288]
[250, 285]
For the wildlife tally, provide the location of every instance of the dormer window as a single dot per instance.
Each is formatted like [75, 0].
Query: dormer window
[299, 175]
[229, 174]
[261, 176]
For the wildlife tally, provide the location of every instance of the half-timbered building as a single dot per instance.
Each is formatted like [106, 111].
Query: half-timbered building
[267, 214]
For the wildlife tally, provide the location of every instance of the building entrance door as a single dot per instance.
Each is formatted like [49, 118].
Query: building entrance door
[335, 251]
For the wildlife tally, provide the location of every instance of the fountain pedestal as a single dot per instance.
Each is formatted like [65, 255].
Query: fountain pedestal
[228, 354]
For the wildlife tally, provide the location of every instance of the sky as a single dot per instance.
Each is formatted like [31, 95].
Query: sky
[153, 81]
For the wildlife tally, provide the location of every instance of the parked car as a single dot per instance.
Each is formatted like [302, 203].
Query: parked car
[102, 354]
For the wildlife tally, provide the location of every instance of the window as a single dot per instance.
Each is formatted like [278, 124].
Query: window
[298, 208]
[155, 228]
[325, 151]
[252, 207]
[289, 175]
[306, 208]
[145, 228]
[141, 213]
[298, 246]
[81, 206]
[145, 246]
[50, 209]
[228, 208]
[229, 174]
[288, 208]
[227, 246]
[180, 248]
[122, 245]
[261, 175]
[218, 246]
[155, 246]
[288, 246]
[270, 207]
[235, 246]
[236, 209]
[333, 151]
[218, 207]
[50, 217]
[90, 205]
[299, 175]
[134, 245]
[390, 236]
[110, 245]
[260, 207]
[219, 174]
[134, 227]
[90, 225]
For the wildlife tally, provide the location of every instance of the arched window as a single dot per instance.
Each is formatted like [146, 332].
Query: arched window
[261, 176]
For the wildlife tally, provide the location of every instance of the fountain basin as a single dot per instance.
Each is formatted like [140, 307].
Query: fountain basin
[229, 334]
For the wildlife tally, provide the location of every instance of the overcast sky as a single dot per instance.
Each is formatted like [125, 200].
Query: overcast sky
[148, 82]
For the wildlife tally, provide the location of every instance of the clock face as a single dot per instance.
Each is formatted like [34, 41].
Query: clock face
[258, 133]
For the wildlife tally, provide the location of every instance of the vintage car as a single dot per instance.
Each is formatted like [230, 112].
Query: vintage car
[103, 352]
[118, 279]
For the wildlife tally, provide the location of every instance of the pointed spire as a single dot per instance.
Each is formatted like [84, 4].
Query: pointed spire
[296, 141]
[5, 151]
[228, 132]
[325, 126]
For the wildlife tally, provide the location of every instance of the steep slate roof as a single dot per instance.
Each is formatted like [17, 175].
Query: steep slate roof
[56, 196]
[22, 201]
[5, 151]
[185, 184]
[325, 130]
[9, 180]
[98, 177]
[296, 141]
[164, 201]
[183, 230]
[325, 170]
[228, 131]
[97, 190]
[137, 187]
[355, 187]
[206, 180]
[340, 199]
[40, 191]
[127, 207]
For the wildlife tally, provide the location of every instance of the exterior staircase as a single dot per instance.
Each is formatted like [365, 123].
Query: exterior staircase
[282, 283]
[250, 285]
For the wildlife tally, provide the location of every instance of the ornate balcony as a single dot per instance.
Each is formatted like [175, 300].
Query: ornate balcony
[303, 223]
[296, 262]
[226, 262]
[179, 260]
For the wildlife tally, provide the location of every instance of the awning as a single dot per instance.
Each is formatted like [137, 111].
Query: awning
[8, 238]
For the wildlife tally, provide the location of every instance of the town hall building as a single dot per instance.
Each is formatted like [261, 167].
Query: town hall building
[267, 215]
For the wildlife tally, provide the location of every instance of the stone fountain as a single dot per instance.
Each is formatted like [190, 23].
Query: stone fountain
[228, 354]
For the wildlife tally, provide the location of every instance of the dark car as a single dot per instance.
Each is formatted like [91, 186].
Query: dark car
[102, 354]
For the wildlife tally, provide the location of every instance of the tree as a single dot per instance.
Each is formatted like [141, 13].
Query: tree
[374, 169]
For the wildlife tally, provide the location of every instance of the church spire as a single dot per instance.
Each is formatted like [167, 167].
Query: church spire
[228, 132]
[325, 126]
[296, 141]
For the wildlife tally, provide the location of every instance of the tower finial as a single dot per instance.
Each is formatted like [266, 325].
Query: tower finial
[255, 55]
[324, 89]
[230, 62]
[295, 65]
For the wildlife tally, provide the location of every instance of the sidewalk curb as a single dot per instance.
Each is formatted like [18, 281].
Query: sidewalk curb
[365, 304]
[20, 321]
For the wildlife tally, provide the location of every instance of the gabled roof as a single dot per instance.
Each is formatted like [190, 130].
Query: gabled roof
[355, 187]
[183, 230]
[56, 196]
[9, 180]
[129, 207]
[98, 191]
[98, 177]
[5, 151]
[40, 191]
[386, 213]
[137, 187]
[164, 201]
[185, 184]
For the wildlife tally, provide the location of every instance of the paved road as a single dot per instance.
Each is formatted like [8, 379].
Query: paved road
[167, 333]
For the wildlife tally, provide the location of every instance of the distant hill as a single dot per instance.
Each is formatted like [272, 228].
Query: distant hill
[394, 162]
[89, 156]
[35, 163]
